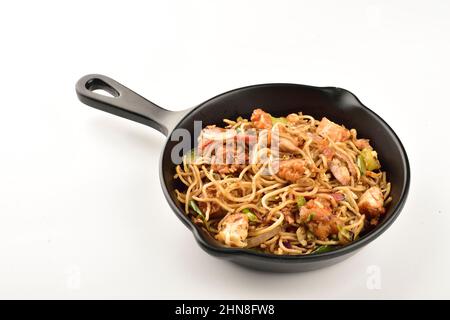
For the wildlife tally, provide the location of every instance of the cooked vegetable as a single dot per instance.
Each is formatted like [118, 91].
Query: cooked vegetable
[287, 244]
[256, 241]
[250, 215]
[310, 235]
[325, 248]
[194, 206]
[311, 216]
[279, 120]
[361, 164]
[370, 159]
[301, 201]
[345, 233]
[191, 156]
[301, 235]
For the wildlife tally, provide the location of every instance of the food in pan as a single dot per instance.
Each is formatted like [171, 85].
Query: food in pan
[289, 185]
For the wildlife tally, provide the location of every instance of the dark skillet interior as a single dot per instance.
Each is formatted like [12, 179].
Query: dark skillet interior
[336, 104]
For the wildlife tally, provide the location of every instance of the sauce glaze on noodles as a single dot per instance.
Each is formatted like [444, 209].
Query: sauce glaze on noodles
[320, 188]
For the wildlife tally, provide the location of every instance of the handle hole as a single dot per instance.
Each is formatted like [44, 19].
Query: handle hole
[103, 92]
[101, 87]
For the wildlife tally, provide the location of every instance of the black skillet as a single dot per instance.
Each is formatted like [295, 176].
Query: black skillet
[337, 104]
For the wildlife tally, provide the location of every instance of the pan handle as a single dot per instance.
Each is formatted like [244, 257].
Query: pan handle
[125, 103]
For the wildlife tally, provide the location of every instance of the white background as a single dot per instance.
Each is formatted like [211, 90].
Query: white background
[82, 214]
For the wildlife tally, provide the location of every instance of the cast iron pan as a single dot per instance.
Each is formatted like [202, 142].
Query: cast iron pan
[337, 104]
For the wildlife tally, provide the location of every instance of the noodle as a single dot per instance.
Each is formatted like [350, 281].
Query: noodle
[320, 188]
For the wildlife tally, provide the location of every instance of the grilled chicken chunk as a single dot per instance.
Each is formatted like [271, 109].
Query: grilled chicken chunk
[340, 171]
[234, 230]
[334, 131]
[318, 216]
[261, 119]
[371, 203]
[291, 170]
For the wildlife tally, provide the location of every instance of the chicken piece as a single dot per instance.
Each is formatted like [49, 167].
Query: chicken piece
[334, 131]
[340, 172]
[338, 196]
[317, 215]
[248, 137]
[328, 153]
[321, 143]
[291, 170]
[371, 203]
[234, 230]
[261, 119]
[288, 145]
[212, 134]
[226, 168]
[206, 137]
[286, 142]
[228, 160]
[349, 162]
[362, 144]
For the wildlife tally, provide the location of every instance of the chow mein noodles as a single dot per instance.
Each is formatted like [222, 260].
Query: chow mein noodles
[291, 185]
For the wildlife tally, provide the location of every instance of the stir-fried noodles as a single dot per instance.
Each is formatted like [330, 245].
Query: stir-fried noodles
[289, 186]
